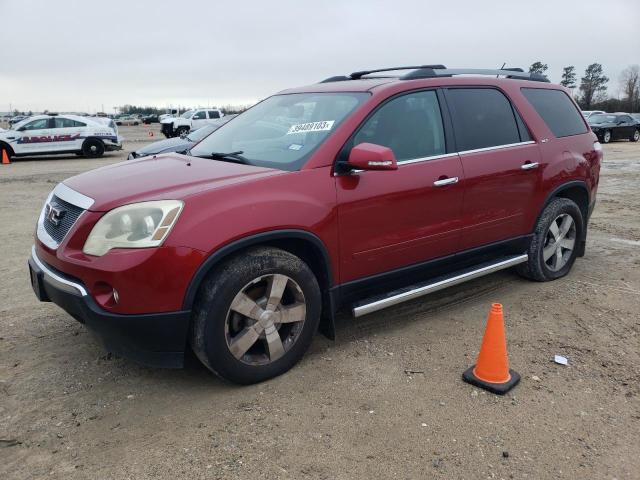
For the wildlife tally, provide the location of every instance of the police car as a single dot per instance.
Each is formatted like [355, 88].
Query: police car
[53, 134]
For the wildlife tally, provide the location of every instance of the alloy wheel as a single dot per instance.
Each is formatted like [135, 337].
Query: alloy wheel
[607, 137]
[265, 319]
[559, 242]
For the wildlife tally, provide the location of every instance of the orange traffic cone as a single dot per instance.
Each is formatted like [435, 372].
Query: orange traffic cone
[492, 372]
[5, 157]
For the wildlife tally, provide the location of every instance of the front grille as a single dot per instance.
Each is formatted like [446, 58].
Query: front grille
[167, 129]
[68, 218]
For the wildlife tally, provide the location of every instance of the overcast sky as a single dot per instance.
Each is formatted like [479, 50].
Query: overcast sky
[82, 54]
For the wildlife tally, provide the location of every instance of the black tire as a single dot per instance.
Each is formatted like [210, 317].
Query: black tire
[93, 148]
[635, 136]
[135, 124]
[213, 318]
[606, 136]
[180, 130]
[537, 268]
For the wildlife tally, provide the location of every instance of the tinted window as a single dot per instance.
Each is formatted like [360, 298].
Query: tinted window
[59, 122]
[410, 125]
[626, 118]
[557, 110]
[200, 115]
[214, 114]
[37, 124]
[482, 117]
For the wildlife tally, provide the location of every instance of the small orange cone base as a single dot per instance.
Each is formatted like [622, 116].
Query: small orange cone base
[492, 372]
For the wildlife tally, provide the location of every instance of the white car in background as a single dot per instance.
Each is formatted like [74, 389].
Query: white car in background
[588, 113]
[189, 120]
[54, 134]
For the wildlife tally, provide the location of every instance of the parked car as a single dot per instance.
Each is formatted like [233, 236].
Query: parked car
[179, 144]
[53, 134]
[17, 119]
[189, 120]
[127, 120]
[612, 126]
[149, 119]
[359, 192]
[588, 113]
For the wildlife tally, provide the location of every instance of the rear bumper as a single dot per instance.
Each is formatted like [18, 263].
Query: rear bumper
[156, 340]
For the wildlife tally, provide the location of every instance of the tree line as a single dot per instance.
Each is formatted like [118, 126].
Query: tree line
[593, 87]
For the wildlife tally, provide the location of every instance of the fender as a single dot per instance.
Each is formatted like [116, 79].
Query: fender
[327, 323]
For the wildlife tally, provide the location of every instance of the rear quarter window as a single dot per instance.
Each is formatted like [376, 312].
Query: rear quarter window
[557, 110]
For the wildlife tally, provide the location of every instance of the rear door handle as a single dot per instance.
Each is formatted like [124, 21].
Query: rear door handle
[445, 181]
[529, 166]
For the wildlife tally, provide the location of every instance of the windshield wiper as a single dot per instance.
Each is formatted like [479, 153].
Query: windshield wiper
[233, 156]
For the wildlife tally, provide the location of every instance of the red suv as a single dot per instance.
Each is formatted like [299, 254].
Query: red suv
[361, 191]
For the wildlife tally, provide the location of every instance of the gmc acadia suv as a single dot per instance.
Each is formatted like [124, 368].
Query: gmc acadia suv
[361, 191]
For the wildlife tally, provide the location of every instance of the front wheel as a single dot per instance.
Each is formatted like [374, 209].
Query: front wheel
[606, 137]
[256, 315]
[636, 135]
[554, 246]
[182, 131]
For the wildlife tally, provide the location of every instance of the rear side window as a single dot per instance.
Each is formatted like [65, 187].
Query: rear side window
[482, 118]
[557, 110]
[214, 114]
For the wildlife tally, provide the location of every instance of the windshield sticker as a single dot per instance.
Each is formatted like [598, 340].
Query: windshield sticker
[311, 127]
[295, 146]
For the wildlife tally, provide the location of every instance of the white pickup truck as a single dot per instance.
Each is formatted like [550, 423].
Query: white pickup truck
[189, 120]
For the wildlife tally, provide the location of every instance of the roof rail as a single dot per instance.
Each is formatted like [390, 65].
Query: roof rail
[434, 71]
[517, 73]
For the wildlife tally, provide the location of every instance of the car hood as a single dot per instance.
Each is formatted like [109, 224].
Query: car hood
[168, 176]
[176, 144]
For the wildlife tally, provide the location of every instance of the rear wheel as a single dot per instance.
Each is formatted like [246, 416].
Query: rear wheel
[93, 148]
[554, 246]
[636, 135]
[256, 315]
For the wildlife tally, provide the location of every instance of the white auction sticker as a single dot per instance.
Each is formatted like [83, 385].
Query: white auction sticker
[311, 127]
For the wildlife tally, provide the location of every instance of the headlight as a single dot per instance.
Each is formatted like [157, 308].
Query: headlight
[139, 225]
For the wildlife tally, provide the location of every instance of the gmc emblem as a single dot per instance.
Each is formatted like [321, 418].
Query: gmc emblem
[54, 213]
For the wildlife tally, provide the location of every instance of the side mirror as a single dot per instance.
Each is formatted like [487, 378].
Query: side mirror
[21, 129]
[369, 156]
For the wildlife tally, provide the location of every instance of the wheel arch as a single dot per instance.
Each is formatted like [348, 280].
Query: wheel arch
[301, 243]
[7, 147]
[578, 192]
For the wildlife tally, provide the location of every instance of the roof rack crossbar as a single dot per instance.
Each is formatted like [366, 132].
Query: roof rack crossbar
[357, 75]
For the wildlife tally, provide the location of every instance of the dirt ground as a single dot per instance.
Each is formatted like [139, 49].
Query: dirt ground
[352, 408]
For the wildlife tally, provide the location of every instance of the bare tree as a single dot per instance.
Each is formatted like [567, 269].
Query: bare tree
[630, 85]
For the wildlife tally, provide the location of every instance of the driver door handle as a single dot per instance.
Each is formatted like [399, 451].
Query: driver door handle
[445, 181]
[529, 166]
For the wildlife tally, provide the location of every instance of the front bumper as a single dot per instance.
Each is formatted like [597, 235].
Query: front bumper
[156, 340]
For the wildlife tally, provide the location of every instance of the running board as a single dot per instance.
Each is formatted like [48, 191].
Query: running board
[393, 298]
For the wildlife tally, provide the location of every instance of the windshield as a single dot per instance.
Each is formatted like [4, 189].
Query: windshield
[282, 131]
[602, 118]
[188, 114]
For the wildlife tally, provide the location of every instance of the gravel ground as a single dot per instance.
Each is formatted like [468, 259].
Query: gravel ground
[383, 401]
